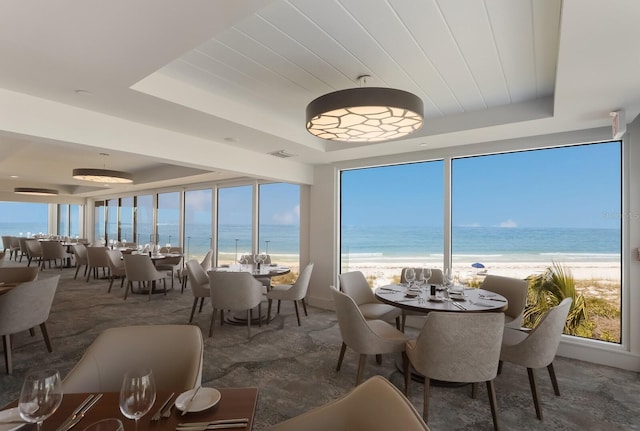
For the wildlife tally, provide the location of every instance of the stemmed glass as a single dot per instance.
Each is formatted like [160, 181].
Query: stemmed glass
[41, 396]
[137, 394]
[409, 275]
[426, 273]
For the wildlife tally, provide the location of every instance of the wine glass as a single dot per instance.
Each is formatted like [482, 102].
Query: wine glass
[426, 273]
[409, 275]
[137, 394]
[41, 396]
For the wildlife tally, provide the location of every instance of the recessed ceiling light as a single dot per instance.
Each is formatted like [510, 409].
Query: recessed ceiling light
[13, 176]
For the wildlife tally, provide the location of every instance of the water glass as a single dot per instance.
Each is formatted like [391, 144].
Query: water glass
[41, 396]
[137, 394]
[409, 276]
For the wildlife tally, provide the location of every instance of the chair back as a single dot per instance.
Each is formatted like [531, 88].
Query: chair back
[207, 263]
[198, 278]
[375, 405]
[6, 242]
[34, 248]
[299, 289]
[173, 352]
[354, 329]
[97, 257]
[234, 290]
[515, 290]
[19, 274]
[115, 262]
[139, 267]
[459, 347]
[436, 275]
[355, 285]
[52, 250]
[80, 251]
[22, 244]
[27, 305]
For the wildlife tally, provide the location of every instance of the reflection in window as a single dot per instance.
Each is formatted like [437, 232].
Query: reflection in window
[197, 223]
[234, 223]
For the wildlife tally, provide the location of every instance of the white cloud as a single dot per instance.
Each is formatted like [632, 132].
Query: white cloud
[508, 223]
[291, 216]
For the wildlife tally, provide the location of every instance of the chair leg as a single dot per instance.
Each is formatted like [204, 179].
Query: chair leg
[474, 390]
[249, 323]
[534, 392]
[406, 365]
[32, 332]
[77, 269]
[404, 321]
[269, 301]
[260, 315]
[491, 391]
[213, 318]
[361, 364]
[500, 367]
[6, 342]
[193, 309]
[425, 405]
[343, 349]
[45, 335]
[278, 306]
[201, 304]
[110, 285]
[379, 359]
[129, 286]
[304, 306]
[122, 281]
[554, 381]
[295, 304]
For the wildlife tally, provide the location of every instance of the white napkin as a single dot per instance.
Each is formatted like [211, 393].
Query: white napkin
[10, 415]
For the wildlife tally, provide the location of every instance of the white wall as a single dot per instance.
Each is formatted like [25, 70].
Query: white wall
[324, 212]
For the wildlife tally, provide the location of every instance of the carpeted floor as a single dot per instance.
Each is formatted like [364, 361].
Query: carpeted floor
[294, 367]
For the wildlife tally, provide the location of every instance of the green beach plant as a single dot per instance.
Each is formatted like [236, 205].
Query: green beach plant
[547, 290]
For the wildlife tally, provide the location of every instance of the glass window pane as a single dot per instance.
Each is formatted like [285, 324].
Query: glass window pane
[126, 220]
[198, 218]
[74, 221]
[63, 219]
[168, 226]
[144, 219]
[518, 214]
[99, 222]
[234, 223]
[391, 217]
[23, 218]
[112, 221]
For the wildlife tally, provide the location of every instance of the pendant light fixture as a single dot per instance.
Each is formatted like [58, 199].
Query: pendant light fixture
[102, 175]
[35, 191]
[365, 114]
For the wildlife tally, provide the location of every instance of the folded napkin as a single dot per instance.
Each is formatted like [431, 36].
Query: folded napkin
[8, 418]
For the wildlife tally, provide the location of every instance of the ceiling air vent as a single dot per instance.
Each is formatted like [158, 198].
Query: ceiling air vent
[282, 154]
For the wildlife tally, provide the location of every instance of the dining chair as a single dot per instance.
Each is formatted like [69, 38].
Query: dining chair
[173, 352]
[235, 291]
[139, 268]
[199, 281]
[18, 274]
[6, 244]
[80, 252]
[355, 285]
[437, 277]
[537, 348]
[96, 259]
[375, 405]
[20, 247]
[205, 263]
[295, 292]
[24, 307]
[34, 251]
[53, 250]
[172, 264]
[457, 347]
[515, 291]
[365, 336]
[116, 267]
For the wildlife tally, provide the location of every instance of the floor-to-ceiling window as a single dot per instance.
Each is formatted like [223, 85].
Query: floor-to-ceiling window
[528, 213]
[75, 224]
[23, 219]
[126, 220]
[144, 227]
[168, 219]
[112, 221]
[198, 218]
[235, 218]
[69, 222]
[391, 216]
[99, 217]
[63, 219]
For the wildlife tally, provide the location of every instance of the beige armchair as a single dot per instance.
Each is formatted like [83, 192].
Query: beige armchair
[355, 285]
[457, 347]
[139, 268]
[23, 308]
[19, 274]
[116, 267]
[205, 264]
[515, 290]
[366, 337]
[6, 244]
[96, 259]
[80, 253]
[34, 251]
[537, 348]
[375, 405]
[234, 291]
[53, 250]
[173, 352]
[288, 292]
[199, 281]
[19, 245]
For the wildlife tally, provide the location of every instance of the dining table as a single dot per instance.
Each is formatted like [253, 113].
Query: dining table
[234, 403]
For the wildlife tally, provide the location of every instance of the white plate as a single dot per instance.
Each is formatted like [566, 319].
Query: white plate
[206, 398]
[10, 415]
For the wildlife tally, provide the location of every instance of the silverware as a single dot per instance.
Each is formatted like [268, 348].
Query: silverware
[67, 425]
[156, 416]
[188, 403]
[167, 412]
[75, 413]
[458, 305]
[493, 299]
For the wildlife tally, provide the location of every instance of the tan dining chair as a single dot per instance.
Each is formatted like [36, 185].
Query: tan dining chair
[24, 307]
[20, 247]
[537, 348]
[437, 277]
[291, 292]
[173, 352]
[199, 281]
[364, 336]
[172, 264]
[53, 250]
[205, 263]
[375, 405]
[80, 253]
[355, 285]
[515, 291]
[18, 274]
[235, 291]
[6, 244]
[116, 267]
[96, 260]
[139, 268]
[457, 347]
[34, 251]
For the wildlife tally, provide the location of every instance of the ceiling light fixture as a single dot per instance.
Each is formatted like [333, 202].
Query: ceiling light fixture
[34, 191]
[102, 175]
[365, 114]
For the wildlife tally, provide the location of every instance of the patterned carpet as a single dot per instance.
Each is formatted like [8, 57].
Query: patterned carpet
[294, 367]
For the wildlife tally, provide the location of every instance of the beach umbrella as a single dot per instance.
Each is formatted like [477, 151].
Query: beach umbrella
[477, 265]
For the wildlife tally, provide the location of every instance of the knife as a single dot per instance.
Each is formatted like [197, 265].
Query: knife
[73, 422]
[188, 404]
[75, 413]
